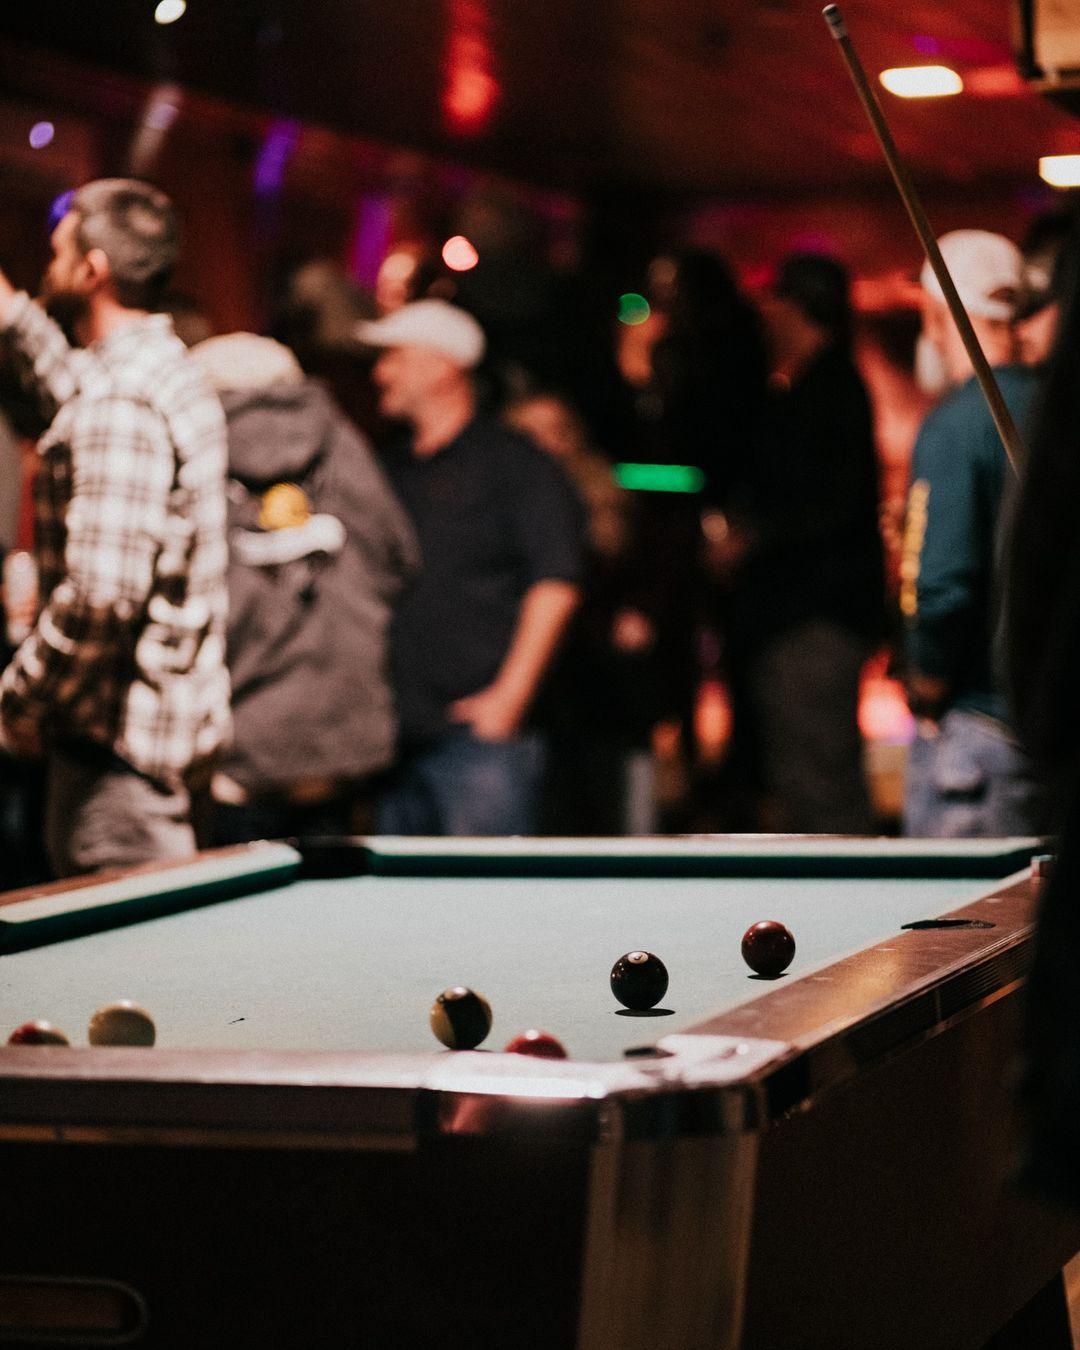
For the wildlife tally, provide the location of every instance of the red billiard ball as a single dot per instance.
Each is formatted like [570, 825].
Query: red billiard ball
[37, 1033]
[537, 1043]
[639, 980]
[768, 948]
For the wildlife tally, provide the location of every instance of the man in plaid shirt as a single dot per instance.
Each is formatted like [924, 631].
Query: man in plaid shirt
[122, 682]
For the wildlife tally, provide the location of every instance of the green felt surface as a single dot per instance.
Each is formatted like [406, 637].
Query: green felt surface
[354, 964]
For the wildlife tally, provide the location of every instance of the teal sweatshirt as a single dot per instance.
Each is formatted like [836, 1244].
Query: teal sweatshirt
[950, 584]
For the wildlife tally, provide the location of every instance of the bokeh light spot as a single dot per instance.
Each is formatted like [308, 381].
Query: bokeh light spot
[168, 11]
[41, 134]
[459, 255]
[633, 308]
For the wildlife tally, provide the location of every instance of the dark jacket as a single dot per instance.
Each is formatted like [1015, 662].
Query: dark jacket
[319, 549]
[810, 502]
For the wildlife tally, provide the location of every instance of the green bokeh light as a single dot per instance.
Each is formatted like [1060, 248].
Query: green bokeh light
[633, 308]
[659, 477]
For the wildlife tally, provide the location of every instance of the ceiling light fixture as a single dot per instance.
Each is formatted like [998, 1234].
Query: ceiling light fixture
[168, 11]
[1060, 171]
[921, 81]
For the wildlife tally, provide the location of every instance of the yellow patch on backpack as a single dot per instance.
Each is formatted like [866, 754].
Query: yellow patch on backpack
[284, 506]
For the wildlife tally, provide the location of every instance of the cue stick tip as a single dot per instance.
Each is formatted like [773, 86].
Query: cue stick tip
[832, 16]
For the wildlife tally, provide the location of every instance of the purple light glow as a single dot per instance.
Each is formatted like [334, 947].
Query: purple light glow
[59, 209]
[41, 134]
[371, 239]
[274, 154]
[926, 45]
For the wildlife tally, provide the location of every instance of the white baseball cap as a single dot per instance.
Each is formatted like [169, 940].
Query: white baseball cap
[433, 324]
[987, 271]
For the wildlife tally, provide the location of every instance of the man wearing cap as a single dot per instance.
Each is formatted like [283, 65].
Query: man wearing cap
[966, 773]
[1044, 285]
[501, 538]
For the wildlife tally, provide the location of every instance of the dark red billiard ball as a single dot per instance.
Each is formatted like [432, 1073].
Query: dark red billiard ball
[538, 1043]
[768, 948]
[639, 980]
[460, 1018]
[37, 1033]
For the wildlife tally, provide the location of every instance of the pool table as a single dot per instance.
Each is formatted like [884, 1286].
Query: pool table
[821, 1160]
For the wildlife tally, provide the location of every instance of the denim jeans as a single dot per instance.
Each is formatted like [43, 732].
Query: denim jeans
[802, 693]
[968, 779]
[462, 785]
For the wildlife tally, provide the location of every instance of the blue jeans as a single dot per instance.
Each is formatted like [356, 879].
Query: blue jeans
[462, 785]
[968, 779]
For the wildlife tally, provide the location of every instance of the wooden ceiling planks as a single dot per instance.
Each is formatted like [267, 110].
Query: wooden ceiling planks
[688, 97]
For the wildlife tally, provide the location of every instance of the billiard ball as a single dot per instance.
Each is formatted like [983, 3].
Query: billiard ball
[537, 1043]
[37, 1033]
[639, 980]
[768, 948]
[121, 1023]
[460, 1018]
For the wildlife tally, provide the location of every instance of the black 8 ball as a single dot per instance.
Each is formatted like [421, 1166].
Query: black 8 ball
[639, 980]
[768, 948]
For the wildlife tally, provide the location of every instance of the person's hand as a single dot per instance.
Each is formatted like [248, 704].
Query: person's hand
[20, 596]
[927, 695]
[492, 714]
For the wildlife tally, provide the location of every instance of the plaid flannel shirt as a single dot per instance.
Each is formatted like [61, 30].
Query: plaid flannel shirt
[129, 647]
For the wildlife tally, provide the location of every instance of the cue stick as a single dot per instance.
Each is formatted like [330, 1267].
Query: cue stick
[1003, 420]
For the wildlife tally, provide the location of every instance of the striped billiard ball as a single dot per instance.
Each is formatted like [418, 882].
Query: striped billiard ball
[121, 1023]
[460, 1018]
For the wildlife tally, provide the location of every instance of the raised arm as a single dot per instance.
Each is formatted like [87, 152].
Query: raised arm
[48, 366]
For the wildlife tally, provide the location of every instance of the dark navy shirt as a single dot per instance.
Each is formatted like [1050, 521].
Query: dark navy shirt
[493, 515]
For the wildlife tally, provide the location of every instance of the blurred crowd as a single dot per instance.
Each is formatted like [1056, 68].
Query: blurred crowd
[400, 526]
